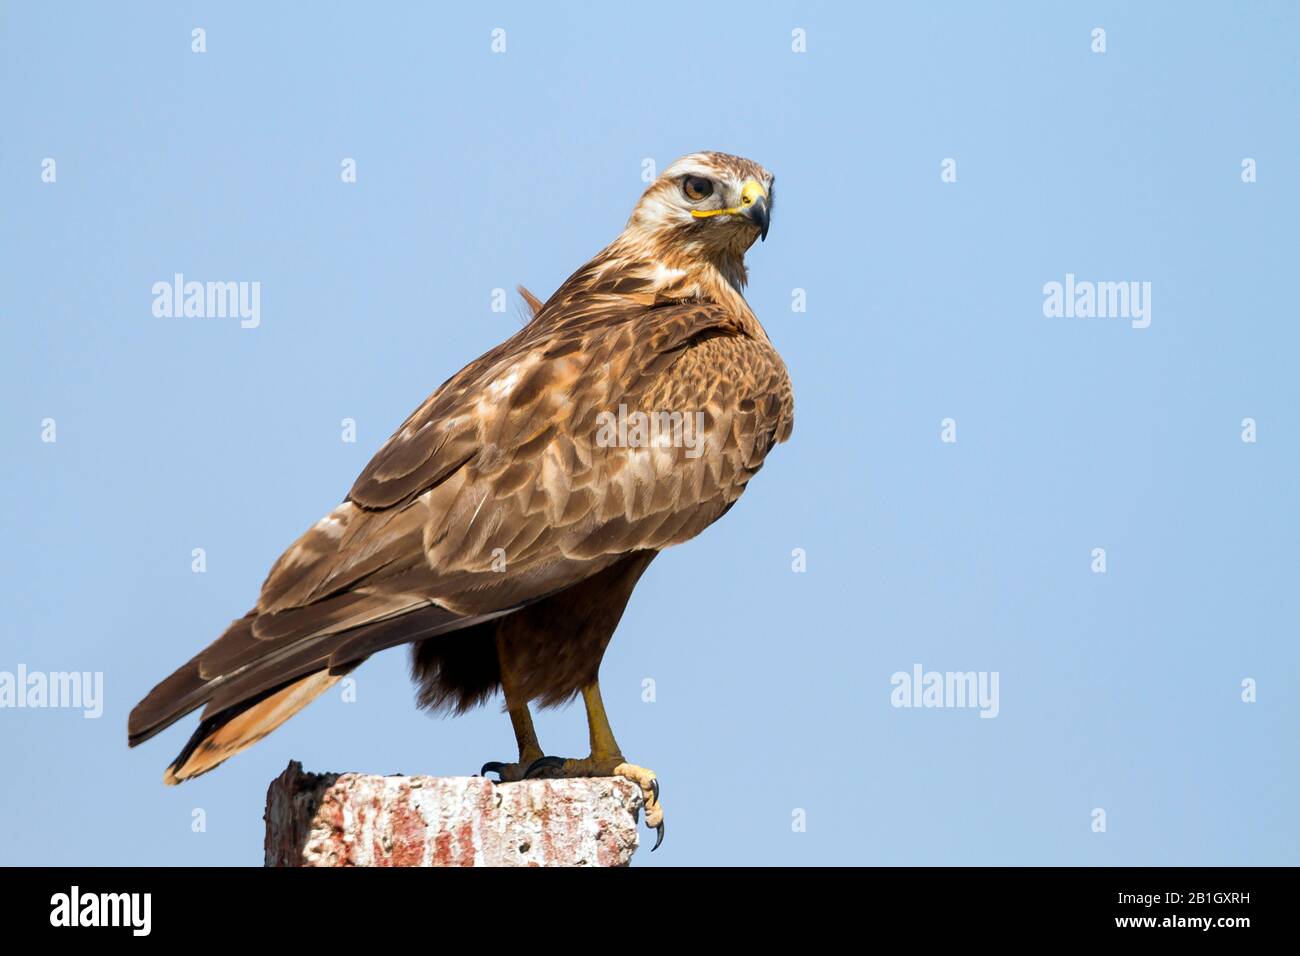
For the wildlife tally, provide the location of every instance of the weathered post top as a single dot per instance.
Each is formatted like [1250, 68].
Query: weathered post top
[357, 819]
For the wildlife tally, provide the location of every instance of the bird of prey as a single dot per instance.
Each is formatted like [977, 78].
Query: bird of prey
[501, 529]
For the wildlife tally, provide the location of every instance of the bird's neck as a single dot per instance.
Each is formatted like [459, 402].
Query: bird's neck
[679, 271]
[632, 271]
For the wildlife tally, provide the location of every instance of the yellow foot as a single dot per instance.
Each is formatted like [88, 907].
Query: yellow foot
[614, 766]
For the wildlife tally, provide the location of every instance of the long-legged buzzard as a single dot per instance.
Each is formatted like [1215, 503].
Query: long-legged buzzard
[502, 529]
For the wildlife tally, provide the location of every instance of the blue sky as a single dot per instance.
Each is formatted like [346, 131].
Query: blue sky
[475, 171]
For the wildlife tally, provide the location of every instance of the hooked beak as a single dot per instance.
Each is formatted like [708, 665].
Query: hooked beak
[757, 213]
[753, 203]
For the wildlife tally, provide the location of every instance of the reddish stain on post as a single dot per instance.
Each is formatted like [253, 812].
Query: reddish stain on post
[408, 833]
[607, 849]
[466, 841]
[442, 849]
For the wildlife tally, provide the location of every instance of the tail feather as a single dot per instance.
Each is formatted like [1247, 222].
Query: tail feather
[251, 685]
[337, 653]
[237, 728]
[164, 705]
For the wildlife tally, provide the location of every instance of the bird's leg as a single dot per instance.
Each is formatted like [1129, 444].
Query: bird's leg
[606, 760]
[530, 751]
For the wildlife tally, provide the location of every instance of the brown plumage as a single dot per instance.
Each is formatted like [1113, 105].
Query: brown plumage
[500, 530]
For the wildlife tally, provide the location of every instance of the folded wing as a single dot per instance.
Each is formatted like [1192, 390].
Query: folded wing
[496, 492]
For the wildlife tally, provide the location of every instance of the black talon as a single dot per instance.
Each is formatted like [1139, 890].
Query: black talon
[492, 766]
[660, 830]
[654, 788]
[543, 763]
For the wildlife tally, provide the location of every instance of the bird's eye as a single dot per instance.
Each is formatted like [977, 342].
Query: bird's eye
[697, 188]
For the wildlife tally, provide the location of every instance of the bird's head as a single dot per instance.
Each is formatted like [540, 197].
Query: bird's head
[707, 205]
